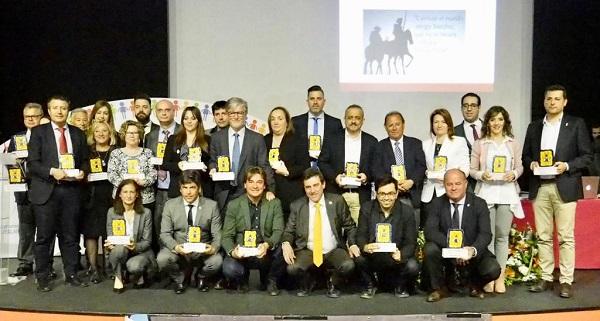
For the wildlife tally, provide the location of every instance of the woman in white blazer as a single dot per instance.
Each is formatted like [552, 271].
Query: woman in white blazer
[442, 143]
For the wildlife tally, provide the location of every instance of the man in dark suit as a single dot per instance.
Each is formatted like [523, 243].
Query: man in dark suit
[220, 116]
[386, 213]
[470, 127]
[165, 113]
[399, 149]
[58, 160]
[555, 196]
[350, 146]
[459, 209]
[190, 210]
[253, 213]
[316, 121]
[244, 148]
[32, 113]
[319, 230]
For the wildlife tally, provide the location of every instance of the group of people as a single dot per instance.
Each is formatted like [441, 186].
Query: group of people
[312, 198]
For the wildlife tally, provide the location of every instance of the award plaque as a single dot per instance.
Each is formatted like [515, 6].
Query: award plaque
[455, 247]
[193, 243]
[224, 172]
[314, 146]
[398, 172]
[440, 163]
[16, 179]
[383, 238]
[67, 161]
[273, 155]
[249, 247]
[20, 146]
[95, 165]
[498, 168]
[160, 150]
[119, 236]
[194, 234]
[184, 166]
[194, 154]
[546, 158]
[133, 166]
[352, 169]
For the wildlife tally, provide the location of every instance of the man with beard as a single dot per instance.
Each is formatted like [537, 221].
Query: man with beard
[141, 109]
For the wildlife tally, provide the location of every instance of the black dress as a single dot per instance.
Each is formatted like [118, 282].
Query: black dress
[173, 155]
[100, 200]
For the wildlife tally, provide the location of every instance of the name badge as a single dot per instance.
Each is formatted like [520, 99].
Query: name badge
[223, 164]
[273, 155]
[194, 154]
[249, 238]
[194, 234]
[160, 150]
[96, 165]
[440, 163]
[352, 169]
[133, 166]
[67, 161]
[15, 175]
[499, 165]
[398, 172]
[384, 233]
[118, 227]
[455, 238]
[546, 158]
[20, 142]
[314, 143]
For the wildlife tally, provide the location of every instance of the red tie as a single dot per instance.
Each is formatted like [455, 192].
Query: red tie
[62, 142]
[475, 135]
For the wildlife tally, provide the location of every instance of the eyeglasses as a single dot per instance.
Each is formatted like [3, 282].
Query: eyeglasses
[467, 106]
[32, 116]
[236, 113]
[388, 194]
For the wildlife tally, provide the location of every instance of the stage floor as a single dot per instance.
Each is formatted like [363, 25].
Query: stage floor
[99, 299]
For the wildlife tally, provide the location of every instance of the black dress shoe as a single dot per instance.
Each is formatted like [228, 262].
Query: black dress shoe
[401, 292]
[52, 275]
[476, 293]
[73, 280]
[179, 288]
[541, 286]
[332, 292]
[220, 284]
[272, 288]
[43, 285]
[566, 291]
[369, 292]
[202, 285]
[95, 278]
[119, 290]
[22, 271]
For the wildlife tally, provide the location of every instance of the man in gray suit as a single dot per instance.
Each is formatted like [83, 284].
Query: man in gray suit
[165, 113]
[244, 148]
[317, 231]
[181, 213]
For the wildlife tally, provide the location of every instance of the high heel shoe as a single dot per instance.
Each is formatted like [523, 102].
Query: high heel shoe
[118, 286]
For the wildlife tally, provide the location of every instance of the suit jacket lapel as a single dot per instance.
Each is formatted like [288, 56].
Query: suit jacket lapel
[245, 147]
[136, 226]
[264, 208]
[53, 147]
[331, 215]
[245, 210]
[564, 132]
[198, 212]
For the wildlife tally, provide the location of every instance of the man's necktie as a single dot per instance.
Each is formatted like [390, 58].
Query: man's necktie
[190, 217]
[235, 158]
[316, 126]
[317, 237]
[165, 135]
[475, 135]
[398, 154]
[62, 142]
[455, 217]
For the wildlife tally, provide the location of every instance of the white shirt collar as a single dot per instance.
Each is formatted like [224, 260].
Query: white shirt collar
[461, 201]
[241, 131]
[55, 127]
[352, 138]
[560, 117]
[321, 115]
[321, 201]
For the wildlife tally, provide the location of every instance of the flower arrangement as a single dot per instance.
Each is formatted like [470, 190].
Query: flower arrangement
[523, 262]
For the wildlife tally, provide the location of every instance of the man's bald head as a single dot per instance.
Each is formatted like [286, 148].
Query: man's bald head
[455, 182]
[165, 112]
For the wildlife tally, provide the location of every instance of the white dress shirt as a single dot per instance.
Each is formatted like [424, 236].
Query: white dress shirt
[498, 192]
[550, 133]
[320, 120]
[329, 241]
[57, 139]
[461, 207]
[400, 145]
[194, 209]
[230, 132]
[352, 148]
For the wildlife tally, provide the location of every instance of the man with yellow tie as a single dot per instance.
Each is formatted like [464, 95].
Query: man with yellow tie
[313, 236]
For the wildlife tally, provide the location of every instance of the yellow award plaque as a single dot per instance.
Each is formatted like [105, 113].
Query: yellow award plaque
[67, 161]
[314, 143]
[20, 142]
[194, 234]
[194, 154]
[118, 227]
[384, 233]
[499, 165]
[440, 163]
[398, 172]
[15, 175]
[160, 150]
[455, 239]
[249, 238]
[96, 165]
[546, 158]
[352, 169]
[133, 166]
[223, 164]
[273, 155]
